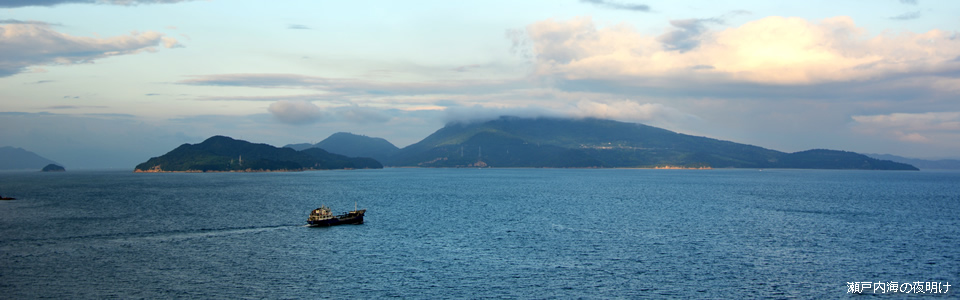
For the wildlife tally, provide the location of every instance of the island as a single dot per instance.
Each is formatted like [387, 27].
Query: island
[225, 154]
[53, 168]
[597, 143]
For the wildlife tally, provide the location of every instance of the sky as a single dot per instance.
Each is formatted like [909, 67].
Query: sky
[111, 83]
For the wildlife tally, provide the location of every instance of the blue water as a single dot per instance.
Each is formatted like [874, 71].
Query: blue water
[470, 233]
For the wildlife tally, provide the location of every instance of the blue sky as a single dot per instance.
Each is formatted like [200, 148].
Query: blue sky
[111, 83]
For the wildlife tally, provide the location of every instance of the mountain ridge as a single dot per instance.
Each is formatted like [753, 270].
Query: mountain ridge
[225, 154]
[349, 144]
[13, 158]
[591, 142]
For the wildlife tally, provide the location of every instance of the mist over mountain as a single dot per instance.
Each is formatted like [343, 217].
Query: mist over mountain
[349, 144]
[19, 159]
[223, 154]
[923, 164]
[559, 142]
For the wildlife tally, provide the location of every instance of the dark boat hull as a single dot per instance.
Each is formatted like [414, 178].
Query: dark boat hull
[357, 219]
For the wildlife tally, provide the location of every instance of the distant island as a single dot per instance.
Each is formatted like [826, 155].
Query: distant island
[19, 159]
[225, 154]
[596, 143]
[53, 168]
[349, 144]
[923, 164]
[509, 142]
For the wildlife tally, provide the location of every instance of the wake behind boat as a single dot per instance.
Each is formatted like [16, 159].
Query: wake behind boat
[323, 216]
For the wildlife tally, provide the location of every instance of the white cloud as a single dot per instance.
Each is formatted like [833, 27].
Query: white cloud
[628, 111]
[772, 50]
[32, 44]
[295, 112]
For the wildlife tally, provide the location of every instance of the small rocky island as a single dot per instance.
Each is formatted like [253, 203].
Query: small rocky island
[53, 168]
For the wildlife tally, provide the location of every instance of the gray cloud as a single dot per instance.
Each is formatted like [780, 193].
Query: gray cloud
[24, 3]
[28, 44]
[895, 92]
[30, 22]
[686, 33]
[354, 86]
[617, 5]
[477, 113]
[466, 68]
[297, 26]
[326, 97]
[907, 16]
[360, 114]
[74, 106]
[295, 112]
[911, 2]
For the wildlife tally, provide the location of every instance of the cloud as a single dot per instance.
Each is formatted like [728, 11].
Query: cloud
[907, 16]
[353, 86]
[360, 114]
[911, 2]
[466, 68]
[327, 97]
[295, 112]
[478, 113]
[621, 110]
[769, 51]
[617, 5]
[297, 26]
[299, 112]
[24, 3]
[170, 43]
[911, 127]
[520, 44]
[686, 34]
[629, 111]
[30, 22]
[931, 121]
[25, 45]
[74, 106]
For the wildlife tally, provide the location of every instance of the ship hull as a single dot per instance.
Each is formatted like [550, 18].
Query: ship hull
[355, 219]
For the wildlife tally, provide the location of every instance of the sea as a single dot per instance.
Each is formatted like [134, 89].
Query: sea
[482, 233]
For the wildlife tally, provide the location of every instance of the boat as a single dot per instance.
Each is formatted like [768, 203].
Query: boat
[7, 198]
[323, 216]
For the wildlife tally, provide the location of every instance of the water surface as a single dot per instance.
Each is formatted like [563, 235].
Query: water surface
[477, 233]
